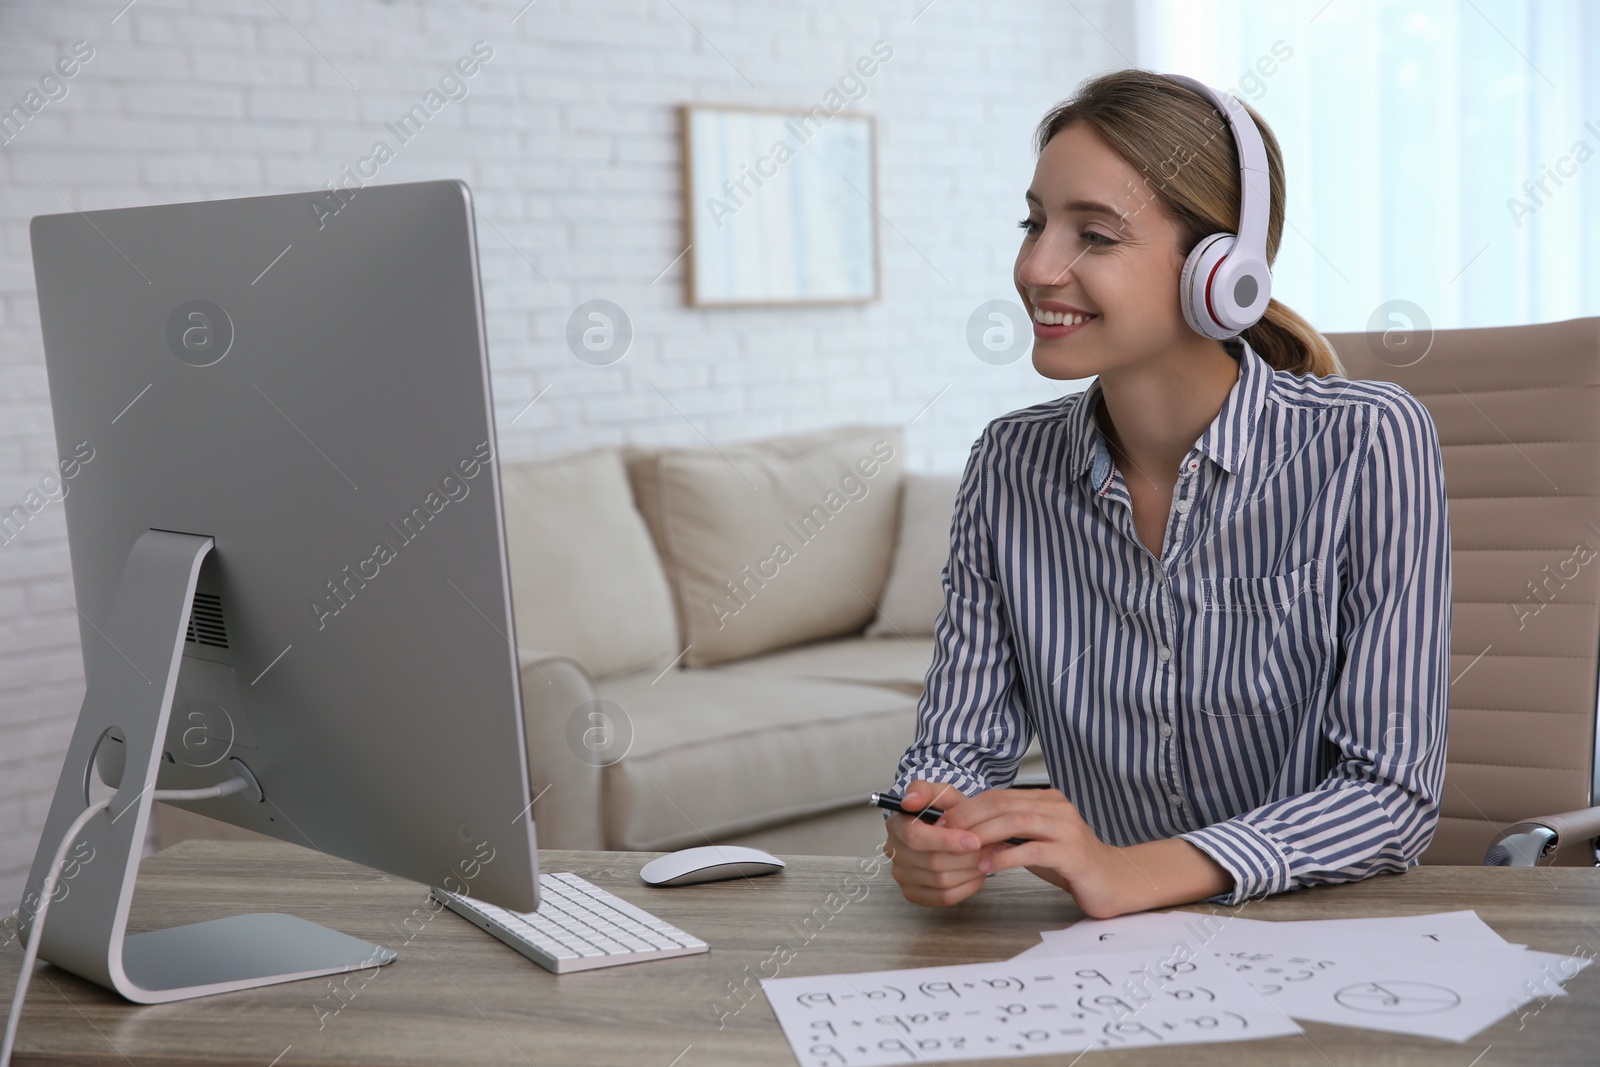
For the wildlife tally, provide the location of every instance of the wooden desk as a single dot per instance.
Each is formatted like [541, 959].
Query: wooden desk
[457, 996]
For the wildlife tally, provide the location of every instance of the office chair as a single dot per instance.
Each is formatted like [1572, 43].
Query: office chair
[1518, 414]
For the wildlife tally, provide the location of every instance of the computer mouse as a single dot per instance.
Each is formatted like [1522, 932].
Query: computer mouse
[709, 863]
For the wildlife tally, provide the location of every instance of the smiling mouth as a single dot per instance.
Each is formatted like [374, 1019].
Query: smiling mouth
[1054, 325]
[1062, 318]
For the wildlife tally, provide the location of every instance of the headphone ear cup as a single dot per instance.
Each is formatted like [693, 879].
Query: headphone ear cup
[1193, 282]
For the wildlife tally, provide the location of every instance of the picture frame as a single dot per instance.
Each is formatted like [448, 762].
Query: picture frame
[779, 206]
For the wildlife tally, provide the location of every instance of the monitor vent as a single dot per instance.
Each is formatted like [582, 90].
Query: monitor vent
[205, 622]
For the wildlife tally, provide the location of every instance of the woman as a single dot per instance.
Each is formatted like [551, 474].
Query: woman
[1216, 584]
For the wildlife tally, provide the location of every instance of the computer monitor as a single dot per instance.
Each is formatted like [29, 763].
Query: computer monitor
[289, 561]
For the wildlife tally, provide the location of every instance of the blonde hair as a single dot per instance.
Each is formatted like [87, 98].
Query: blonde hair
[1183, 146]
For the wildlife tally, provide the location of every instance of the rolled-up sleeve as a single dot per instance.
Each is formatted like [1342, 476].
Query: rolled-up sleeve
[972, 726]
[1385, 715]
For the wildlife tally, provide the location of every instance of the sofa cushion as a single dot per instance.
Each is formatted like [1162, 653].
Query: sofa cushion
[914, 594]
[585, 579]
[720, 752]
[901, 663]
[772, 543]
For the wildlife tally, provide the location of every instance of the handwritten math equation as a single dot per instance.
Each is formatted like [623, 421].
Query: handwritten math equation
[1271, 972]
[1016, 1008]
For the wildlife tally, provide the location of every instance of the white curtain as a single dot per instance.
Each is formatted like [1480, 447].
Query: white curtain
[1440, 153]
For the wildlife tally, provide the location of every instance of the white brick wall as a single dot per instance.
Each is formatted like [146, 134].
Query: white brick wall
[568, 139]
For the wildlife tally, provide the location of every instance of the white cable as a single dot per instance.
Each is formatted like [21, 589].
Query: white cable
[36, 931]
[228, 788]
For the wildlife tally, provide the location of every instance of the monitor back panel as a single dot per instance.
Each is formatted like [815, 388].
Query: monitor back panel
[303, 378]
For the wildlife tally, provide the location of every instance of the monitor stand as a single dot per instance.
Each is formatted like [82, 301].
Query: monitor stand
[131, 679]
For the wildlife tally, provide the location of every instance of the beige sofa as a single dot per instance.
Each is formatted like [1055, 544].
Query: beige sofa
[724, 644]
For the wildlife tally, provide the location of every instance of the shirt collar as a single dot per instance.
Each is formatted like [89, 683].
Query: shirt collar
[1225, 441]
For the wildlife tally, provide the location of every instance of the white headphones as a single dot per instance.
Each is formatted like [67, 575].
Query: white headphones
[1226, 282]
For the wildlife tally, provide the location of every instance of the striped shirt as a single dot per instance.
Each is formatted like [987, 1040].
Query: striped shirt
[1271, 689]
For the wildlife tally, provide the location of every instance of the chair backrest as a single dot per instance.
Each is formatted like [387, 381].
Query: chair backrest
[1518, 414]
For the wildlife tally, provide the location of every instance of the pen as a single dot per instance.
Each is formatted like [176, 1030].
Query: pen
[928, 814]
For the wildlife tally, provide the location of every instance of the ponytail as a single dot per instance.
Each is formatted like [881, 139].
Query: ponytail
[1286, 341]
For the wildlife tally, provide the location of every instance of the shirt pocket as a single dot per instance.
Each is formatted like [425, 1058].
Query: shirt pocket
[1264, 643]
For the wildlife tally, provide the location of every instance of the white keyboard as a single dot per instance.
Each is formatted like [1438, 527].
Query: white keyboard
[578, 927]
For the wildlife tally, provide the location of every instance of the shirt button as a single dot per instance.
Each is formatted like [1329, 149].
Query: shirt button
[1163, 653]
[1166, 729]
[1183, 507]
[1177, 801]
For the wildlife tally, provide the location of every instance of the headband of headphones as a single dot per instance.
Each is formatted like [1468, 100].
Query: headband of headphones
[1226, 281]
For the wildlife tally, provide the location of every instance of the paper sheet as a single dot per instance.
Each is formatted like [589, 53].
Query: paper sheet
[1011, 1008]
[1171, 978]
[1447, 975]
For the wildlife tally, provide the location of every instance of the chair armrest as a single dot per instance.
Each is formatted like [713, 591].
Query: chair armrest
[1524, 843]
[567, 814]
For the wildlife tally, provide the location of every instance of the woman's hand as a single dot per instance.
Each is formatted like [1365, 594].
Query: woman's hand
[931, 863]
[947, 863]
[1061, 848]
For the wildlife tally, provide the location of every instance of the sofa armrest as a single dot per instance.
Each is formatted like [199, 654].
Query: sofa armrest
[1523, 844]
[567, 814]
